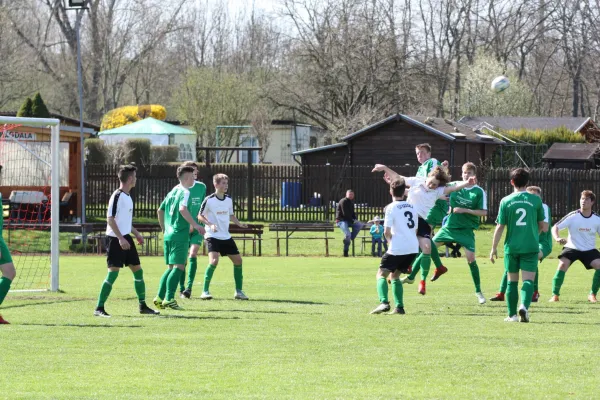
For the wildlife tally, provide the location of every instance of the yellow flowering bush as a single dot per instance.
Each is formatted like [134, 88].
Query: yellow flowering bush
[128, 114]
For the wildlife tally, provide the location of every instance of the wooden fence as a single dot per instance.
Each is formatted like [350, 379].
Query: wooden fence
[287, 192]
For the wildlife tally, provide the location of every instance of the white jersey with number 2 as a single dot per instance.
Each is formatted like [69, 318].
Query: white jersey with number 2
[402, 218]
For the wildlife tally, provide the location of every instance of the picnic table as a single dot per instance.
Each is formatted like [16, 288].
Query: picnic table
[288, 228]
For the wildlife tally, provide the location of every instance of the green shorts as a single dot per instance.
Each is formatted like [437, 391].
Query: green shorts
[524, 262]
[545, 251]
[437, 213]
[5, 257]
[175, 252]
[464, 237]
[196, 238]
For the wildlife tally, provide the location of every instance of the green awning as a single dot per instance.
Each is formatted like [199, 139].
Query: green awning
[148, 126]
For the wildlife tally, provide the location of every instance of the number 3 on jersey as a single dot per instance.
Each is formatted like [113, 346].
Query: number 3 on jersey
[411, 221]
[523, 213]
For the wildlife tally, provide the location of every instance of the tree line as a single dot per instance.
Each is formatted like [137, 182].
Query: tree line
[339, 64]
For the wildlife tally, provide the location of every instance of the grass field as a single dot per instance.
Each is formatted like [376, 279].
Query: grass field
[305, 334]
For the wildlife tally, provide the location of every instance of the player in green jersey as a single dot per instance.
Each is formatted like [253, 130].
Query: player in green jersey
[467, 206]
[545, 247]
[197, 195]
[175, 221]
[7, 268]
[522, 214]
[435, 215]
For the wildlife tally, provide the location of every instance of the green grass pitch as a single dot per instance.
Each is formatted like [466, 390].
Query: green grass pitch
[305, 334]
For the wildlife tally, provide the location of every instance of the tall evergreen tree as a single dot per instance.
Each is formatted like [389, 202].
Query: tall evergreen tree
[38, 108]
[26, 109]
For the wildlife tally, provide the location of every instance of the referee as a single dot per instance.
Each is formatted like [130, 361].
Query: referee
[120, 247]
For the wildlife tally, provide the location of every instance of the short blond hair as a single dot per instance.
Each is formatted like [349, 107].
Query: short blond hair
[534, 190]
[218, 178]
[469, 166]
[424, 146]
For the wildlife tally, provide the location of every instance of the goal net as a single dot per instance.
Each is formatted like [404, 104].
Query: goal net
[30, 155]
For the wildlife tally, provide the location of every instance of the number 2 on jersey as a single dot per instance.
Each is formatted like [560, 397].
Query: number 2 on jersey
[523, 213]
[411, 221]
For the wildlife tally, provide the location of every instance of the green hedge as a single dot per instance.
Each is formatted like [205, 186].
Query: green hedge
[96, 151]
[138, 151]
[164, 154]
[549, 136]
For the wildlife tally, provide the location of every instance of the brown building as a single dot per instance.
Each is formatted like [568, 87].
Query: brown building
[573, 156]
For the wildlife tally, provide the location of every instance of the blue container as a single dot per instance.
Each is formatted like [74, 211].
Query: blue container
[291, 194]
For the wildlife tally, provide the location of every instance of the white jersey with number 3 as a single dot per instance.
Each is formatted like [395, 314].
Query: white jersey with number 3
[402, 218]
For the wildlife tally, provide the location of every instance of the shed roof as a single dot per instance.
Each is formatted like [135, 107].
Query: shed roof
[573, 151]
[313, 150]
[574, 124]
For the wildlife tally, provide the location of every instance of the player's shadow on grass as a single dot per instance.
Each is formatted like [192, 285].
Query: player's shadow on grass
[45, 303]
[569, 323]
[172, 316]
[242, 311]
[84, 325]
[291, 301]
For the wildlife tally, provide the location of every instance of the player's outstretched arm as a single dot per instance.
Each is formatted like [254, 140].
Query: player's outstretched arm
[185, 213]
[497, 236]
[388, 171]
[236, 221]
[161, 219]
[455, 188]
[556, 235]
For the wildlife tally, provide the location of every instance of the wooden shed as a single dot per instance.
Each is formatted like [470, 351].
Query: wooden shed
[573, 156]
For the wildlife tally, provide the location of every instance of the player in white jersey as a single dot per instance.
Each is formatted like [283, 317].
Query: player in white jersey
[216, 212]
[422, 195]
[583, 226]
[401, 232]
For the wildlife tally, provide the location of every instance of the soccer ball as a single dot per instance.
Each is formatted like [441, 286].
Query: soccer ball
[500, 84]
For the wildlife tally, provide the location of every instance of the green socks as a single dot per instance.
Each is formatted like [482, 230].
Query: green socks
[425, 265]
[398, 293]
[172, 282]
[557, 282]
[512, 298]
[416, 267]
[107, 287]
[140, 286]
[4, 287]
[382, 290]
[162, 286]
[475, 275]
[182, 281]
[239, 278]
[536, 280]
[527, 293]
[435, 255]
[503, 283]
[192, 268]
[208, 274]
[595, 284]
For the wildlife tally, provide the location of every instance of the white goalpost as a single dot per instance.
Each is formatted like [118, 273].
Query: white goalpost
[29, 221]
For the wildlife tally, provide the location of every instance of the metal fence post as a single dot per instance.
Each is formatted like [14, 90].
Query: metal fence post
[250, 186]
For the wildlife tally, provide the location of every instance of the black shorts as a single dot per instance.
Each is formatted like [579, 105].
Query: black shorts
[225, 247]
[117, 257]
[586, 257]
[397, 263]
[423, 229]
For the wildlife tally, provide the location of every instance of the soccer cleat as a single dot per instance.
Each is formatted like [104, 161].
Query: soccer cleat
[397, 310]
[592, 298]
[172, 305]
[3, 321]
[406, 279]
[480, 297]
[206, 296]
[535, 297]
[438, 272]
[383, 307]
[523, 314]
[498, 297]
[553, 299]
[239, 295]
[186, 294]
[144, 309]
[422, 288]
[158, 302]
[514, 318]
[101, 312]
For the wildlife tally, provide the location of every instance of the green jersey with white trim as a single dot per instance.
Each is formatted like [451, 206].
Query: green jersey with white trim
[427, 167]
[472, 198]
[177, 229]
[521, 212]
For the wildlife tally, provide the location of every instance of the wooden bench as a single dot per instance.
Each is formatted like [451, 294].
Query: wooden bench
[290, 228]
[252, 233]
